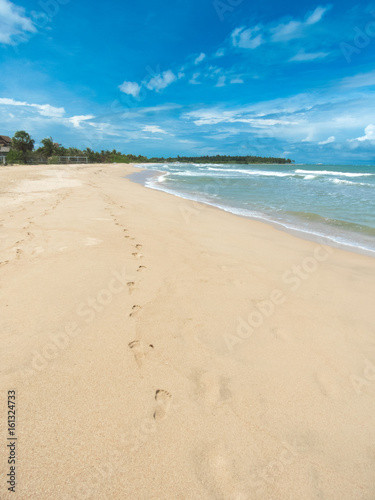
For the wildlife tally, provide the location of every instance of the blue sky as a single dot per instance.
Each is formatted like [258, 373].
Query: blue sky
[192, 77]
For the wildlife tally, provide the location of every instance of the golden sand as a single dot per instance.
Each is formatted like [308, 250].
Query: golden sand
[163, 349]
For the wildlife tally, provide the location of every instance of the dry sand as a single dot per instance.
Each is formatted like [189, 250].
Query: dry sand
[163, 349]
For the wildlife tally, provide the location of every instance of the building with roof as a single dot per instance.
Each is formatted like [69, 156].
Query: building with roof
[5, 144]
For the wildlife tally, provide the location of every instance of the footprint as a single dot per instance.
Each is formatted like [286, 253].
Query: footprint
[212, 389]
[138, 247]
[140, 268]
[137, 255]
[164, 399]
[139, 351]
[139, 354]
[131, 286]
[135, 310]
[218, 474]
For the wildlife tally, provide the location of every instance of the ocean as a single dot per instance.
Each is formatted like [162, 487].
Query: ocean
[329, 203]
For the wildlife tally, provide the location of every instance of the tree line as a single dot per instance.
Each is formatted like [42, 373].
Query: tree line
[225, 159]
[22, 151]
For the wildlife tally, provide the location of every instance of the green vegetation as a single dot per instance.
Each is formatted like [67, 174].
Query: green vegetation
[48, 149]
[22, 145]
[22, 151]
[222, 159]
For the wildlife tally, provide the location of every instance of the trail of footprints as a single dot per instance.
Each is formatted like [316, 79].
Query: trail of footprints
[140, 351]
[29, 223]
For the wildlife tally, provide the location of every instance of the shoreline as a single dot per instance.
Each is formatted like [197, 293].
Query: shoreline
[187, 352]
[298, 232]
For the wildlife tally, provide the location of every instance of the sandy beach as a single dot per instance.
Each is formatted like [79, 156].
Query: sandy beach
[163, 349]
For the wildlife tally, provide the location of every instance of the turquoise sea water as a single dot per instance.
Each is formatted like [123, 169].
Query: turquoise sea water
[336, 203]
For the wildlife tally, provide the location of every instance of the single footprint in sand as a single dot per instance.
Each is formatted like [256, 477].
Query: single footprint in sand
[218, 473]
[139, 351]
[141, 268]
[131, 285]
[138, 247]
[135, 310]
[212, 389]
[139, 354]
[137, 255]
[164, 399]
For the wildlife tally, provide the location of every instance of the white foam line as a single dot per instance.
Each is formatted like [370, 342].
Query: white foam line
[329, 172]
[260, 217]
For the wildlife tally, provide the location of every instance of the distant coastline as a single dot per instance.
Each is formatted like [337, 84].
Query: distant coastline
[239, 160]
[20, 150]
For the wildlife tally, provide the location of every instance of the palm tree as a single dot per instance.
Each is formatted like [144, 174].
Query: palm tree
[49, 148]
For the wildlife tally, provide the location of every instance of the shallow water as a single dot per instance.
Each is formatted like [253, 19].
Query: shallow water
[336, 203]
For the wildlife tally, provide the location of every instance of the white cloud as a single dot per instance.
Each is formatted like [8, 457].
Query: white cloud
[209, 116]
[43, 109]
[236, 81]
[139, 112]
[317, 15]
[76, 120]
[252, 37]
[360, 80]
[327, 141]
[220, 53]
[247, 38]
[161, 81]
[154, 129]
[194, 79]
[130, 88]
[14, 25]
[200, 58]
[214, 116]
[104, 128]
[305, 57]
[221, 81]
[295, 29]
[284, 32]
[369, 134]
